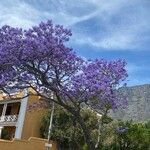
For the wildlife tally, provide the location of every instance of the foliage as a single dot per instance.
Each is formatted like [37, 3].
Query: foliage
[5, 134]
[40, 59]
[116, 135]
[130, 136]
[66, 130]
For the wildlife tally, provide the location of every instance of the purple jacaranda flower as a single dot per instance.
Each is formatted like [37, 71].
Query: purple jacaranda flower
[121, 130]
[39, 57]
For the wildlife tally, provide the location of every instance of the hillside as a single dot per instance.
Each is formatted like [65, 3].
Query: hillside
[138, 108]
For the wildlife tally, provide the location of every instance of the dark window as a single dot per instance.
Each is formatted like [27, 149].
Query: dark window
[18, 108]
[8, 111]
[1, 109]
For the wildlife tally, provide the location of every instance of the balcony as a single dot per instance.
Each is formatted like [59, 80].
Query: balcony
[9, 113]
[8, 120]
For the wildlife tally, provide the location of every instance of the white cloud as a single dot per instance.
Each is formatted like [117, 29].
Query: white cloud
[23, 14]
[18, 14]
[21, 11]
[124, 34]
[115, 39]
[67, 19]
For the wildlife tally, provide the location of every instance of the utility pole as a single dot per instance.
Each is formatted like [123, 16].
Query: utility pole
[49, 145]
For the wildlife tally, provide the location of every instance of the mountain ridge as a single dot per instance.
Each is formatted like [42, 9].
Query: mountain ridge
[138, 107]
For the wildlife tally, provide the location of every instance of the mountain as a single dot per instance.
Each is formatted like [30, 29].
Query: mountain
[138, 108]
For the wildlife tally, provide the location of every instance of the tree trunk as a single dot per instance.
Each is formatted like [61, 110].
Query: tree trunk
[76, 114]
[86, 132]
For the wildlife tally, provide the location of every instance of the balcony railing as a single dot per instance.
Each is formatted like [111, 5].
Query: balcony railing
[9, 119]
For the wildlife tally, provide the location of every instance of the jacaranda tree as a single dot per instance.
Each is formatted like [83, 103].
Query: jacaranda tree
[39, 58]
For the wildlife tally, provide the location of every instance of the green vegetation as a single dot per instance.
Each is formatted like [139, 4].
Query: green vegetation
[131, 136]
[67, 131]
[5, 134]
[114, 135]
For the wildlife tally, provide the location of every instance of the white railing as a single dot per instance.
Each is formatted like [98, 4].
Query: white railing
[9, 118]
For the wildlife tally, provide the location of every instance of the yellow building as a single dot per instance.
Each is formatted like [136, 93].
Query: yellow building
[19, 125]
[16, 121]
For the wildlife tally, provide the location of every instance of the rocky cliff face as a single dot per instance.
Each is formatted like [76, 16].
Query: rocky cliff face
[138, 108]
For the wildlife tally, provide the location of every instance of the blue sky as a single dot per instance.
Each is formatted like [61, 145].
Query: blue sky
[109, 29]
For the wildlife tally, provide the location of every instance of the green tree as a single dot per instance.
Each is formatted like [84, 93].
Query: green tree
[130, 136]
[67, 131]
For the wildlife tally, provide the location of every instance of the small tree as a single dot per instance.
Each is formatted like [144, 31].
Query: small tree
[39, 58]
[67, 131]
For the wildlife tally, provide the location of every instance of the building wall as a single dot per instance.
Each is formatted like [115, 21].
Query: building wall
[31, 144]
[33, 118]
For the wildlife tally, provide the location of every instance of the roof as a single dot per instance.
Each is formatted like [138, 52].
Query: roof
[14, 97]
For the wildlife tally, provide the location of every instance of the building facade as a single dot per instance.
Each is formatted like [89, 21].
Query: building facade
[16, 122]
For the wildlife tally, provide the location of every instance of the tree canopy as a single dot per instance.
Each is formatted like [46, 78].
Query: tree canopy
[39, 58]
